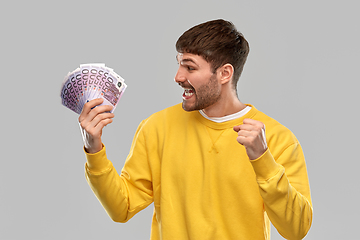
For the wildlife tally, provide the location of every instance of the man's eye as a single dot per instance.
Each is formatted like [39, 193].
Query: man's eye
[190, 68]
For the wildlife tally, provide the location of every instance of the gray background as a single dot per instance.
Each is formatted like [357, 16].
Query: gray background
[302, 71]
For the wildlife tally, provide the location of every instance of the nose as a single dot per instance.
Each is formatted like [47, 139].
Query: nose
[180, 77]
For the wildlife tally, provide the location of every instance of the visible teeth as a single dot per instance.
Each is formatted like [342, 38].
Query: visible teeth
[188, 92]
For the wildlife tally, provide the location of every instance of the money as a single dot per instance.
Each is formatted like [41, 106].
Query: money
[91, 81]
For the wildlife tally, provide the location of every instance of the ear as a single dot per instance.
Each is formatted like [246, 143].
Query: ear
[226, 73]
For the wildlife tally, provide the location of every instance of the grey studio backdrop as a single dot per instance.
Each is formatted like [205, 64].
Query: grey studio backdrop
[302, 70]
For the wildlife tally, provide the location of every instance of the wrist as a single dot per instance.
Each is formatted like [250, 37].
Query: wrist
[265, 166]
[93, 150]
[97, 162]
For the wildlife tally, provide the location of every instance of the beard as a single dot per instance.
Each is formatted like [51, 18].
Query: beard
[205, 96]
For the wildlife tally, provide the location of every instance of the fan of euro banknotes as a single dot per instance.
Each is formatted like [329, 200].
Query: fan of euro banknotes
[91, 81]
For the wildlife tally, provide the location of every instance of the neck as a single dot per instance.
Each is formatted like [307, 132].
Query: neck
[228, 104]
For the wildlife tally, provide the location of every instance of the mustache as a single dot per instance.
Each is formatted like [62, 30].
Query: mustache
[186, 84]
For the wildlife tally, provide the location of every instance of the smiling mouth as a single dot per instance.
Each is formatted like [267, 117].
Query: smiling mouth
[188, 93]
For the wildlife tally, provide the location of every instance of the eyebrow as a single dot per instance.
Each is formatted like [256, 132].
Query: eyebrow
[187, 60]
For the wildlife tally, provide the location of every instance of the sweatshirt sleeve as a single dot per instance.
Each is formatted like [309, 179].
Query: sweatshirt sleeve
[122, 196]
[284, 187]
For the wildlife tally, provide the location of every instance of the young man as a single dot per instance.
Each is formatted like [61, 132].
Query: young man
[209, 164]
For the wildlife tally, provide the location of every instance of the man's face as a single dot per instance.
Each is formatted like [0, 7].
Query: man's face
[201, 86]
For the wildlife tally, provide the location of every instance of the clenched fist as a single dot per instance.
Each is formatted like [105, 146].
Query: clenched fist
[251, 134]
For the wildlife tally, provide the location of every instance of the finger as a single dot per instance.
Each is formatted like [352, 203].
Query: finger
[246, 141]
[247, 134]
[102, 124]
[236, 128]
[85, 118]
[98, 119]
[99, 110]
[88, 107]
[94, 117]
[91, 104]
[247, 127]
[249, 121]
[242, 140]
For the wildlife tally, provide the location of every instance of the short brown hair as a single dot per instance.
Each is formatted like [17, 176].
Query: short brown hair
[219, 43]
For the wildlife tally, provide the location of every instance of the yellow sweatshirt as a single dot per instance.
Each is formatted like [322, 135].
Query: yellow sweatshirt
[202, 183]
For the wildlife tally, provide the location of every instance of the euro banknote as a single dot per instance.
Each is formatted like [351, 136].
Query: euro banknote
[91, 81]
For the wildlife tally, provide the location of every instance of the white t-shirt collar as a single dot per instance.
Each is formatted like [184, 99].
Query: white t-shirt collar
[228, 117]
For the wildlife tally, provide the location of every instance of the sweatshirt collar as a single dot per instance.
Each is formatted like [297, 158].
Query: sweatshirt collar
[227, 124]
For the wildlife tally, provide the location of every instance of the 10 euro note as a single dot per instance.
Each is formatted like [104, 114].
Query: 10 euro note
[91, 81]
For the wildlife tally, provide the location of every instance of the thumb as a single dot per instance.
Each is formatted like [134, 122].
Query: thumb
[236, 128]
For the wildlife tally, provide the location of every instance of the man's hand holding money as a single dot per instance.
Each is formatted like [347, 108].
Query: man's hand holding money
[92, 120]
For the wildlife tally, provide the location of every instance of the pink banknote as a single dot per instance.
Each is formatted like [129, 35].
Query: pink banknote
[91, 81]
